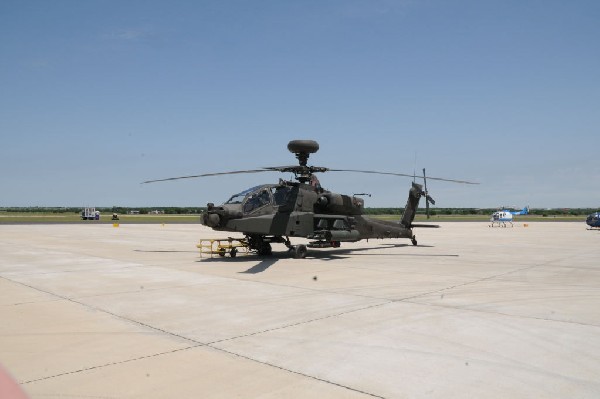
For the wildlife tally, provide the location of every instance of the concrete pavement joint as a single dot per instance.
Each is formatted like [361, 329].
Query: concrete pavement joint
[299, 323]
[110, 364]
[198, 344]
[103, 310]
[504, 314]
[469, 283]
[299, 373]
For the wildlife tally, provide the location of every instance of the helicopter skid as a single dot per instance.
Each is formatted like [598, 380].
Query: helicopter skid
[500, 224]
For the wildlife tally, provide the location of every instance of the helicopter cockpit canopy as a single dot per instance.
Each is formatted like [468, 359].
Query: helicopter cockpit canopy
[239, 198]
[259, 196]
[257, 199]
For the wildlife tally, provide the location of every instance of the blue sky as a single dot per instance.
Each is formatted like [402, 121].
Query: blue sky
[97, 96]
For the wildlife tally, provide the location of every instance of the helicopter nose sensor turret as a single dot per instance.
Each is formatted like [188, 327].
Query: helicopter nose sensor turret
[219, 216]
[210, 219]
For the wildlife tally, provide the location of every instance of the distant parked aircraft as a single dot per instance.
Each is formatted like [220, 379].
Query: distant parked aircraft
[593, 220]
[505, 216]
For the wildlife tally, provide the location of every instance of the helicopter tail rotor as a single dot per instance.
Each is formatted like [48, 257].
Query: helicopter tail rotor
[428, 198]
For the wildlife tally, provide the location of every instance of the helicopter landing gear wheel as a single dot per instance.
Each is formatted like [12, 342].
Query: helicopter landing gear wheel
[221, 251]
[300, 251]
[265, 249]
[259, 244]
[413, 240]
[233, 252]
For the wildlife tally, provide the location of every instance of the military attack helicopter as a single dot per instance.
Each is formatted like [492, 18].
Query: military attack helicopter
[273, 213]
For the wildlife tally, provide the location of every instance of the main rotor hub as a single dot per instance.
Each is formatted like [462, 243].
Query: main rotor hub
[303, 149]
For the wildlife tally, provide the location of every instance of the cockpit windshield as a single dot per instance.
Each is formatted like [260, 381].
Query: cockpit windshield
[239, 198]
[257, 199]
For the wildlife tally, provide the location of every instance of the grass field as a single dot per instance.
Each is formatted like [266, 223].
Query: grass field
[43, 218]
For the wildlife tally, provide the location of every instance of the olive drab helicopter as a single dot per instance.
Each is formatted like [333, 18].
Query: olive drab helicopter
[275, 213]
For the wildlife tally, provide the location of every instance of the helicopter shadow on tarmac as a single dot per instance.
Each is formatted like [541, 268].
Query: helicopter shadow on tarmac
[329, 255]
[264, 263]
[161, 251]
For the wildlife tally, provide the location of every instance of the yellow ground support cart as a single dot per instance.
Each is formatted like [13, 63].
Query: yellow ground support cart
[223, 246]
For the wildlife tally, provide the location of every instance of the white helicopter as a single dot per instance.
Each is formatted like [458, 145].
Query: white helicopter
[505, 216]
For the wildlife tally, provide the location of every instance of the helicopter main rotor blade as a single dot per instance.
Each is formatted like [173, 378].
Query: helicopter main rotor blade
[297, 169]
[303, 169]
[400, 174]
[235, 172]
